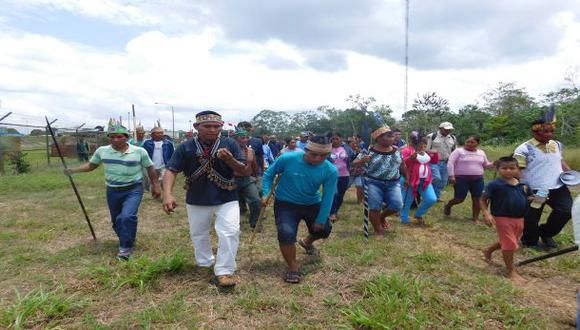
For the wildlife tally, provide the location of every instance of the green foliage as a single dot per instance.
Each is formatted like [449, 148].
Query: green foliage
[139, 272]
[37, 132]
[18, 162]
[37, 306]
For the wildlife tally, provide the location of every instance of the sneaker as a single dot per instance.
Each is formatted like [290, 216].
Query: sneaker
[537, 246]
[225, 281]
[310, 249]
[549, 242]
[123, 255]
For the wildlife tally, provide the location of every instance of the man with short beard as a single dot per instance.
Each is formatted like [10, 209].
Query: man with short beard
[208, 162]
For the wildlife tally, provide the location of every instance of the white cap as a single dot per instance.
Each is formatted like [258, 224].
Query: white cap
[446, 125]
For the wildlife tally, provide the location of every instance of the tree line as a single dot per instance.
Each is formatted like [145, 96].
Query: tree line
[502, 118]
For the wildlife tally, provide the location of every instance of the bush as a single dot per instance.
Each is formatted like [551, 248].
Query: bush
[18, 162]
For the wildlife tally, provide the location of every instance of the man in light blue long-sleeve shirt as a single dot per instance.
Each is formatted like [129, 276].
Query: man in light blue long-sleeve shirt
[298, 198]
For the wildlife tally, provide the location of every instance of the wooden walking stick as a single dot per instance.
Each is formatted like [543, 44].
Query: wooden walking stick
[366, 211]
[72, 183]
[263, 210]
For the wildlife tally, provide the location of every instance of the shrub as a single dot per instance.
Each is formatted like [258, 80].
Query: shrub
[19, 162]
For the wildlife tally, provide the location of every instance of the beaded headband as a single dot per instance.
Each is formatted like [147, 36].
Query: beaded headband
[539, 127]
[207, 118]
[318, 147]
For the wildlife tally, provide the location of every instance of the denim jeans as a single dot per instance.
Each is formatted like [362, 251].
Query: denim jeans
[341, 188]
[428, 199]
[440, 176]
[384, 192]
[248, 191]
[123, 206]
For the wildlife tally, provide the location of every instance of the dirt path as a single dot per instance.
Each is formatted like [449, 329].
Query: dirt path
[553, 296]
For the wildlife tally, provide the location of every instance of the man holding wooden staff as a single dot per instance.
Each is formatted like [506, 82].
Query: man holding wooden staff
[298, 197]
[124, 164]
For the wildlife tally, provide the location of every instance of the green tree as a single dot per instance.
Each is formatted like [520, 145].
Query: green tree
[37, 132]
[507, 99]
[271, 122]
[427, 112]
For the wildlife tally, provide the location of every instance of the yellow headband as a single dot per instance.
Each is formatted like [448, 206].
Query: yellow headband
[320, 148]
[538, 127]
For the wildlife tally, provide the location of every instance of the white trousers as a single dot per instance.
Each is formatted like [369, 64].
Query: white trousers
[227, 227]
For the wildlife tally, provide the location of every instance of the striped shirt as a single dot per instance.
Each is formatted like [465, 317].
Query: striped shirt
[122, 169]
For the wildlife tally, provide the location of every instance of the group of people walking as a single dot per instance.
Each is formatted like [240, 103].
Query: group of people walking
[310, 176]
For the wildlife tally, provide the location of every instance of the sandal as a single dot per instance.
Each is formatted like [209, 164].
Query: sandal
[310, 249]
[387, 225]
[292, 277]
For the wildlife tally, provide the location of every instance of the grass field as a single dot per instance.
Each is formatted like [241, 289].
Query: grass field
[54, 276]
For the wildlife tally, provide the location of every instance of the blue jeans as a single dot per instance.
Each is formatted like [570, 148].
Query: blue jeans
[428, 198]
[341, 188]
[288, 216]
[440, 176]
[384, 192]
[248, 192]
[123, 206]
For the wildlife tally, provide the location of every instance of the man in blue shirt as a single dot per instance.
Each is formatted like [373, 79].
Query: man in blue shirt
[298, 197]
[208, 162]
[301, 144]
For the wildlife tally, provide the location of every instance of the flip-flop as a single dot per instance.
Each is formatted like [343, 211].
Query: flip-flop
[292, 277]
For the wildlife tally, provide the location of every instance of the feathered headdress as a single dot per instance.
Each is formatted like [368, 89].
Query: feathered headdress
[139, 128]
[157, 127]
[116, 127]
[548, 118]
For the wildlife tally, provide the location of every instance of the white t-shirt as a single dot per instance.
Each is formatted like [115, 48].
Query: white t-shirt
[542, 168]
[158, 155]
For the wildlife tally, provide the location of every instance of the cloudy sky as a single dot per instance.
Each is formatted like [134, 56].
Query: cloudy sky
[88, 60]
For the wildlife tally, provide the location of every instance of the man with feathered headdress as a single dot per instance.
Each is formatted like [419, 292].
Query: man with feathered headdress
[542, 163]
[208, 162]
[124, 164]
[139, 136]
[159, 149]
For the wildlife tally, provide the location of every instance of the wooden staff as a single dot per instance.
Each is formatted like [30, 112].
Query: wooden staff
[71, 180]
[366, 211]
[263, 210]
[548, 255]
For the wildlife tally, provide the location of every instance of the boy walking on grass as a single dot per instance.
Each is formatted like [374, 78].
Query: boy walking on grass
[509, 203]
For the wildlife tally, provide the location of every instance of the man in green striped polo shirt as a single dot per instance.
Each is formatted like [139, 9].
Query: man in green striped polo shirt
[124, 164]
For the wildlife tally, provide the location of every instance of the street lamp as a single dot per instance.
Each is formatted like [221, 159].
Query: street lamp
[172, 117]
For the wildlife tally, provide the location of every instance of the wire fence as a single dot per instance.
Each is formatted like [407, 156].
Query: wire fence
[27, 138]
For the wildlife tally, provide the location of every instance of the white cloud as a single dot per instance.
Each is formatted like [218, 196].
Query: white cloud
[75, 83]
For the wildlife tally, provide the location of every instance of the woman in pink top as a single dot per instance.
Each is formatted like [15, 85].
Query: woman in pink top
[339, 157]
[465, 167]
